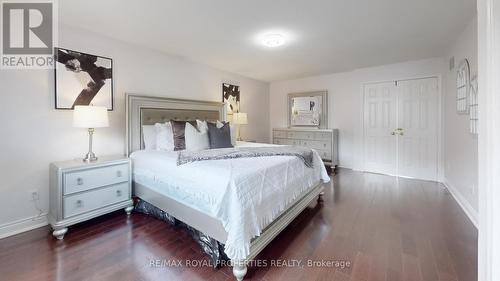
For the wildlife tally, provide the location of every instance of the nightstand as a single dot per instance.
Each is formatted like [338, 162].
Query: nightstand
[80, 191]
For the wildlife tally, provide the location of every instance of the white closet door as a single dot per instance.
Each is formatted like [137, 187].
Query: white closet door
[380, 119]
[418, 119]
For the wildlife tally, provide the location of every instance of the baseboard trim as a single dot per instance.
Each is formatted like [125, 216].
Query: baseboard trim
[23, 225]
[463, 203]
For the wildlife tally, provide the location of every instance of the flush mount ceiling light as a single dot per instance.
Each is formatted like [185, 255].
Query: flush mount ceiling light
[273, 40]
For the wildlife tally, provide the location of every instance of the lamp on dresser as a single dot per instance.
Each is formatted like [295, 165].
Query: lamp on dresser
[90, 117]
[239, 119]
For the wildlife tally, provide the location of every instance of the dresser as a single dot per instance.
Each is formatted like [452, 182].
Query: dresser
[80, 191]
[325, 141]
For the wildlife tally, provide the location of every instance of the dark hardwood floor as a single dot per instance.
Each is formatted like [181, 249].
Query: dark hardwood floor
[387, 228]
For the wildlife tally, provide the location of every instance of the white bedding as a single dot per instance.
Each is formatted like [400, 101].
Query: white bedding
[245, 194]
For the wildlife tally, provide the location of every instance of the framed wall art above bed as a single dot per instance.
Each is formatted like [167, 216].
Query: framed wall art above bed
[82, 79]
[231, 97]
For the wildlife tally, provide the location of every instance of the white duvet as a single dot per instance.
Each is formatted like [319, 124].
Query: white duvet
[245, 194]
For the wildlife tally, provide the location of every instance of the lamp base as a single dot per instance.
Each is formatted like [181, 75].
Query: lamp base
[90, 157]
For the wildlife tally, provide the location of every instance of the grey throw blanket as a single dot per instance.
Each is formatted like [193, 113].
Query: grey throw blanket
[304, 154]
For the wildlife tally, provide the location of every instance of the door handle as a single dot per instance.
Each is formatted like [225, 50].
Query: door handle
[398, 131]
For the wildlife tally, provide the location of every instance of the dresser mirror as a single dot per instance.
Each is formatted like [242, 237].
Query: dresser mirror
[308, 109]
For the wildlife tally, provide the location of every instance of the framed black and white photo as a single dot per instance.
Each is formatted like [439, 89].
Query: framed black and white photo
[82, 79]
[231, 97]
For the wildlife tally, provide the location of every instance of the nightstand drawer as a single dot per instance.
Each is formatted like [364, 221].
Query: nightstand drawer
[88, 179]
[84, 202]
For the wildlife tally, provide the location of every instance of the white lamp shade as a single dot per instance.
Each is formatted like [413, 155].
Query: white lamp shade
[240, 118]
[90, 117]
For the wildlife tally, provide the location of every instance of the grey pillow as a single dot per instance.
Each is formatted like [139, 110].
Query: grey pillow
[178, 129]
[219, 137]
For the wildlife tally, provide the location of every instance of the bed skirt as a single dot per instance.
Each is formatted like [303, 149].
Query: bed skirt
[213, 248]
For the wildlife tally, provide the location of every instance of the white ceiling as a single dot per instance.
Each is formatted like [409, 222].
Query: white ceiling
[324, 36]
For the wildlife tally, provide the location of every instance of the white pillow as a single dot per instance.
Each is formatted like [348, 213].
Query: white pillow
[149, 137]
[202, 126]
[164, 136]
[232, 130]
[195, 140]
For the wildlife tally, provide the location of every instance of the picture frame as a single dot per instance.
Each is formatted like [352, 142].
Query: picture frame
[82, 79]
[308, 109]
[231, 97]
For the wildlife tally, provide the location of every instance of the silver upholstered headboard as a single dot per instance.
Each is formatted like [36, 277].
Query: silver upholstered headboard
[143, 110]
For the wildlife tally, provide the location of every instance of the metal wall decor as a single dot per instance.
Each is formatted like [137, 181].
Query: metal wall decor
[473, 106]
[463, 87]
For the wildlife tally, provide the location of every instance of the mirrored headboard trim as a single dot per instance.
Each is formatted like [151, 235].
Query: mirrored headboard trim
[147, 110]
[323, 123]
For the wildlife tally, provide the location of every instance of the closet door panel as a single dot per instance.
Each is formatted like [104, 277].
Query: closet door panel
[418, 117]
[380, 110]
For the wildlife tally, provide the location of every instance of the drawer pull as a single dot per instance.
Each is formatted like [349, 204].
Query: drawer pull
[118, 193]
[119, 174]
[79, 181]
[79, 203]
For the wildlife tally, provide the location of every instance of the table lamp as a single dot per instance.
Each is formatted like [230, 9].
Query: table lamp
[90, 117]
[239, 119]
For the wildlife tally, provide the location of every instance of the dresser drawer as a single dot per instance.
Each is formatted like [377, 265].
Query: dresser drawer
[279, 134]
[324, 145]
[324, 136]
[88, 179]
[287, 142]
[294, 142]
[325, 155]
[280, 141]
[300, 135]
[88, 201]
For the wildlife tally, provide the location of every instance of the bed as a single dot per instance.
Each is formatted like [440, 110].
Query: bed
[241, 203]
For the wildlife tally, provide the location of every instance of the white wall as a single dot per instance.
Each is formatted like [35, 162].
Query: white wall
[345, 100]
[33, 134]
[461, 148]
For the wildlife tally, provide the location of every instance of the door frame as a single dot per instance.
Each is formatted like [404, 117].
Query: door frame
[440, 119]
[488, 138]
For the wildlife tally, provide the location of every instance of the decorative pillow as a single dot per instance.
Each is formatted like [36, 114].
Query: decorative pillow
[219, 137]
[164, 136]
[202, 126]
[232, 129]
[196, 140]
[149, 137]
[178, 128]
